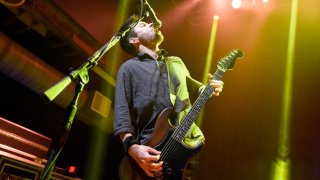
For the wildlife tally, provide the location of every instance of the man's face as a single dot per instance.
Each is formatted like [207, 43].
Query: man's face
[147, 34]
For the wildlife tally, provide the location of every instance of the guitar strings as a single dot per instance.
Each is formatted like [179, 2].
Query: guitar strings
[171, 146]
[172, 143]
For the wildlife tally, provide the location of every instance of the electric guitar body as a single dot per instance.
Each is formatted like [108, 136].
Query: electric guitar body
[174, 168]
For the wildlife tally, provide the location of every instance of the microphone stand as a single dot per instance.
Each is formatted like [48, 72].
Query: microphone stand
[82, 78]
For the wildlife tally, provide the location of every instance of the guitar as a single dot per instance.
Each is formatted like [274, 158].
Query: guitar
[169, 140]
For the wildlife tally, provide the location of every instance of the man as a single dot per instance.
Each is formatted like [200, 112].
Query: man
[146, 85]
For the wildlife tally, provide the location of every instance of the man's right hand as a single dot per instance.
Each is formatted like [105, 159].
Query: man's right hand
[146, 157]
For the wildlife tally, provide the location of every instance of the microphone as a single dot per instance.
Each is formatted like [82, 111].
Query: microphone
[150, 13]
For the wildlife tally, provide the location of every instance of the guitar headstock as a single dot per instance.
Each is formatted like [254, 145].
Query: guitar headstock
[228, 61]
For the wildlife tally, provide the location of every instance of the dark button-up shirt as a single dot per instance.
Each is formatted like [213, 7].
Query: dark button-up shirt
[145, 87]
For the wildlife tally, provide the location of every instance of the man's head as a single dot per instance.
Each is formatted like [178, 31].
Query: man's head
[142, 34]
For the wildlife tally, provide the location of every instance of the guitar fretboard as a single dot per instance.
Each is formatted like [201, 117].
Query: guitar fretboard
[191, 116]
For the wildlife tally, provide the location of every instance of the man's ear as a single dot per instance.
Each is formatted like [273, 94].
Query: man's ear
[134, 40]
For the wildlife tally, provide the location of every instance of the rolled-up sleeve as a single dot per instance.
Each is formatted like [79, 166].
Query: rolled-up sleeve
[122, 103]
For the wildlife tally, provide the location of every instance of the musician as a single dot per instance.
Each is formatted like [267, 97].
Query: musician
[147, 84]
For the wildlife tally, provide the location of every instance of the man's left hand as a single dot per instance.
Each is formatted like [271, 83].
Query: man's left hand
[217, 85]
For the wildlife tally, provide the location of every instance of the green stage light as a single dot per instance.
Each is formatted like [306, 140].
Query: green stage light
[207, 67]
[281, 166]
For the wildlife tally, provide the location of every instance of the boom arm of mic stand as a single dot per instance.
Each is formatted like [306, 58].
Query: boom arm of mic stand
[92, 61]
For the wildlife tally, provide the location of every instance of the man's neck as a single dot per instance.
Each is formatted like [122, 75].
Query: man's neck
[152, 52]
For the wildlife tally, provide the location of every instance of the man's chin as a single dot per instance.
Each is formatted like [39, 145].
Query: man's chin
[160, 38]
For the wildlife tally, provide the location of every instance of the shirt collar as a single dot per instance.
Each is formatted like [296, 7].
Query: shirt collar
[143, 56]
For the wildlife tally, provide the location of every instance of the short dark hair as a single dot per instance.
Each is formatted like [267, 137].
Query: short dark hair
[124, 41]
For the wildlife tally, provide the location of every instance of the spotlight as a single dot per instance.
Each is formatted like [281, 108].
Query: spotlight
[236, 4]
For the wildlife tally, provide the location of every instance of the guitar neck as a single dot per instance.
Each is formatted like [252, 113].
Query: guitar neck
[192, 115]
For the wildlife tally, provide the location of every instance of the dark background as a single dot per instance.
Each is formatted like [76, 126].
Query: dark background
[241, 126]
